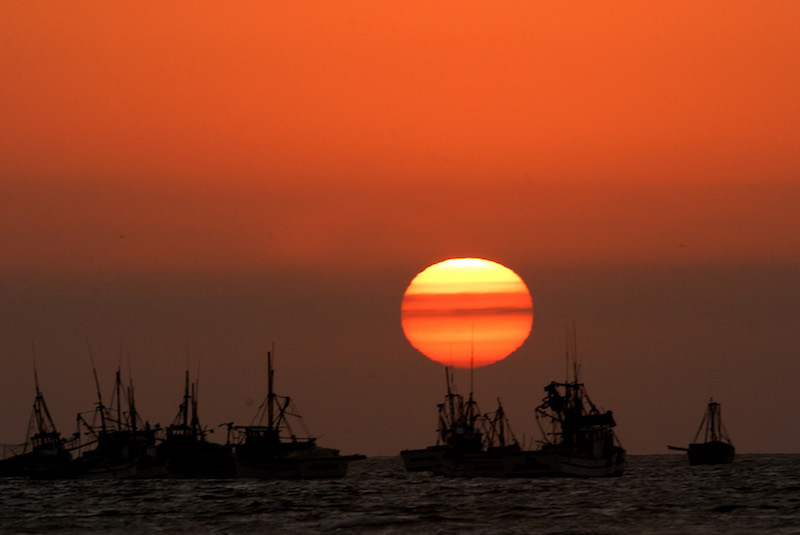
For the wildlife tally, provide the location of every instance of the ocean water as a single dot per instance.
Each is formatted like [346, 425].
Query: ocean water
[659, 494]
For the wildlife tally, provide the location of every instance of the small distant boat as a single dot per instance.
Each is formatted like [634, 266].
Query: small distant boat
[459, 432]
[273, 451]
[185, 450]
[45, 453]
[716, 447]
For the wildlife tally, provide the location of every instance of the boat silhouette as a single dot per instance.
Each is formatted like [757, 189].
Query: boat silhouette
[124, 447]
[45, 453]
[468, 442]
[271, 449]
[578, 440]
[185, 450]
[716, 447]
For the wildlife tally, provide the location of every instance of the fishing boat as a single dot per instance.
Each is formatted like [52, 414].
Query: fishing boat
[124, 446]
[578, 438]
[271, 450]
[459, 432]
[45, 454]
[716, 447]
[490, 457]
[578, 441]
[186, 451]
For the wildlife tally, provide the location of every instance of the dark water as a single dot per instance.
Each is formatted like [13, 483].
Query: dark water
[658, 494]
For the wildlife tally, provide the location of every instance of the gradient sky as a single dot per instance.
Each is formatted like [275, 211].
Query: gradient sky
[193, 182]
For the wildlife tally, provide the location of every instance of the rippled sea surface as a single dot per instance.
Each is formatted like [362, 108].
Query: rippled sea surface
[657, 494]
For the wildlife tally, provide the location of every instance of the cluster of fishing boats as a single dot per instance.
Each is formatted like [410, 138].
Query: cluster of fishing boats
[577, 440]
[115, 443]
[577, 437]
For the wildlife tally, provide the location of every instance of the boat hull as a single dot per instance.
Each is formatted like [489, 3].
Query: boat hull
[49, 461]
[714, 452]
[538, 463]
[547, 464]
[424, 460]
[198, 459]
[141, 468]
[121, 455]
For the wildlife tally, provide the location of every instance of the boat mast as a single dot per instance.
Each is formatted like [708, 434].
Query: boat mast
[566, 356]
[713, 421]
[446, 411]
[704, 423]
[100, 407]
[711, 425]
[450, 402]
[572, 347]
[39, 400]
[118, 387]
[498, 427]
[132, 406]
[471, 405]
[197, 430]
[575, 352]
[44, 422]
[185, 407]
[471, 360]
[270, 393]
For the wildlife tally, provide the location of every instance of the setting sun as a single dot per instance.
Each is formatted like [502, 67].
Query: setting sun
[467, 312]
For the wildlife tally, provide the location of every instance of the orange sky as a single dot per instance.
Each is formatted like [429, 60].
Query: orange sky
[276, 133]
[228, 175]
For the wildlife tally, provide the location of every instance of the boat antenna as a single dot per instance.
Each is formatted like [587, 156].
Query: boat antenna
[566, 355]
[35, 372]
[270, 393]
[186, 400]
[472, 360]
[575, 350]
